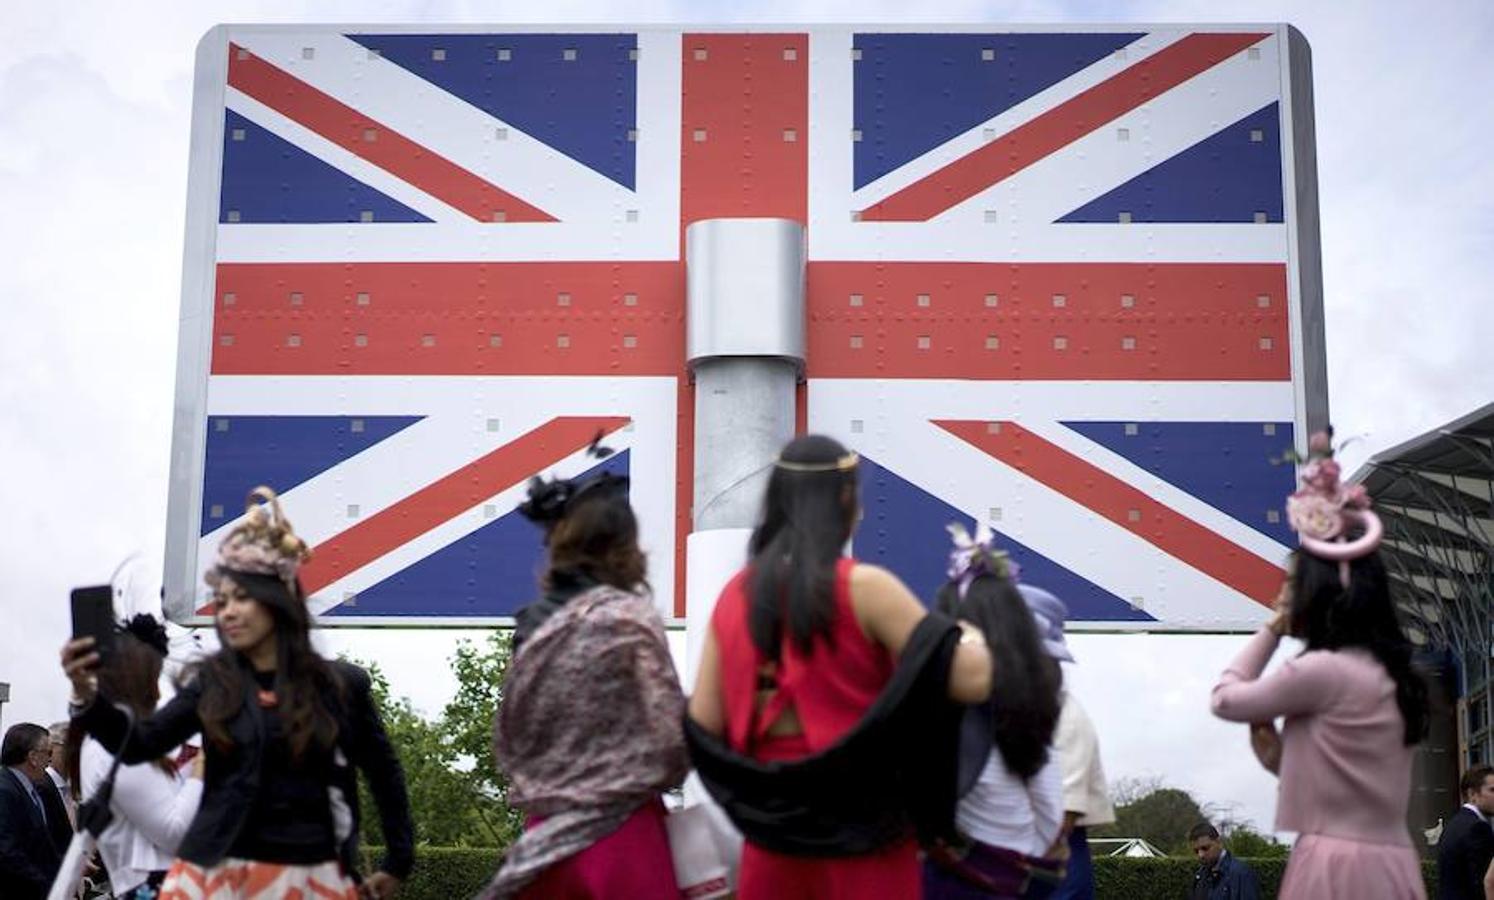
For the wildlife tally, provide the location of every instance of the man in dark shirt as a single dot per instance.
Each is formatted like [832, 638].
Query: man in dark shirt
[28, 857]
[1220, 876]
[1467, 842]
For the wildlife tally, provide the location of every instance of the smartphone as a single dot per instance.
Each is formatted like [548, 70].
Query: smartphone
[93, 616]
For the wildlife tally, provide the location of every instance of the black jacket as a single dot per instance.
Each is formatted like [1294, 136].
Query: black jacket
[1229, 879]
[28, 858]
[893, 773]
[1463, 856]
[232, 777]
[59, 826]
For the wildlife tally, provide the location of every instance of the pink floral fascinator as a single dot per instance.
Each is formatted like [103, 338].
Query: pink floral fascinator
[1324, 511]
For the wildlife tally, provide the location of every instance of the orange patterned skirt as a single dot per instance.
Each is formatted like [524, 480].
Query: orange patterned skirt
[244, 879]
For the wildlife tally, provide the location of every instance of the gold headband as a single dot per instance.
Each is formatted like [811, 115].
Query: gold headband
[844, 464]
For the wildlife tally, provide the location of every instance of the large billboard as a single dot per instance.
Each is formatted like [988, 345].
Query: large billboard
[1061, 279]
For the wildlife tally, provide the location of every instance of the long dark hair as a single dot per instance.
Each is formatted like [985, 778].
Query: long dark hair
[1327, 616]
[807, 518]
[131, 674]
[1025, 700]
[598, 537]
[304, 681]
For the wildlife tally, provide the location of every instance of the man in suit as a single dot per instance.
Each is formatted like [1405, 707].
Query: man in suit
[29, 858]
[1220, 875]
[1467, 843]
[54, 790]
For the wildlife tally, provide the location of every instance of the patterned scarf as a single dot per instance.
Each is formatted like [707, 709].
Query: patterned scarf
[589, 729]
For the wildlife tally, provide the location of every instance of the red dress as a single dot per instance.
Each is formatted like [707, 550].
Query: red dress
[632, 862]
[829, 688]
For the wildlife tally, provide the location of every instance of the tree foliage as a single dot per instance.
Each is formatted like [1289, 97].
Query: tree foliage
[1161, 816]
[1146, 808]
[458, 797]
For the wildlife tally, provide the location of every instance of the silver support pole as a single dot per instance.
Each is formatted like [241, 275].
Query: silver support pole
[744, 412]
[745, 343]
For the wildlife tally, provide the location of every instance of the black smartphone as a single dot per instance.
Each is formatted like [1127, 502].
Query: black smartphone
[93, 616]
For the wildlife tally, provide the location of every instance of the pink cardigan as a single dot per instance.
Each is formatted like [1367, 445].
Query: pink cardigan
[1345, 768]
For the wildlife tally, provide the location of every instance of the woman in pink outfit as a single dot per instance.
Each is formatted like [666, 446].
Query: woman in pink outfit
[1353, 706]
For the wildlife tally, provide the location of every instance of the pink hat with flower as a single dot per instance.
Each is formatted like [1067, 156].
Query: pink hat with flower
[1323, 510]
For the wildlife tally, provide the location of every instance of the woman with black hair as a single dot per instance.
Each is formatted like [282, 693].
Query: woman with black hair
[589, 728]
[802, 643]
[1010, 815]
[152, 805]
[1354, 708]
[284, 729]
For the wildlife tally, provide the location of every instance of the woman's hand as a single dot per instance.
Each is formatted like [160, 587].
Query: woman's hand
[378, 886]
[79, 662]
[1266, 742]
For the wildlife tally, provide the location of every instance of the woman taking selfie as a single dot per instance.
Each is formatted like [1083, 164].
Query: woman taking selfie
[283, 730]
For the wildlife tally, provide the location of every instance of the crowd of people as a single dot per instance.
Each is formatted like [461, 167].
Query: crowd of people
[860, 742]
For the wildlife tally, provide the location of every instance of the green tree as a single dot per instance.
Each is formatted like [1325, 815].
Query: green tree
[458, 798]
[1243, 840]
[1161, 815]
[467, 723]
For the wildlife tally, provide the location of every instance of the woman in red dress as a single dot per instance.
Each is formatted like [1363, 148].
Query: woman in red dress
[801, 643]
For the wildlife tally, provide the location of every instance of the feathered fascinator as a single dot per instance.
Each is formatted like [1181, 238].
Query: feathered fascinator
[1323, 510]
[263, 543]
[550, 499]
[976, 555]
[149, 631]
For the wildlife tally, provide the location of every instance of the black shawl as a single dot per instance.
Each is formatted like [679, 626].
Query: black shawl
[892, 773]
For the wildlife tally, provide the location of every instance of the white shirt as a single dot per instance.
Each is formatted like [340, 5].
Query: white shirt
[1002, 811]
[1084, 788]
[151, 813]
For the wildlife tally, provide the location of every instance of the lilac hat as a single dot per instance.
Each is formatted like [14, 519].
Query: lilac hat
[1049, 613]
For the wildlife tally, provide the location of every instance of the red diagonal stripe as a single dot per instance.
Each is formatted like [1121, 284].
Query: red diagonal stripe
[1160, 525]
[456, 493]
[1057, 128]
[376, 142]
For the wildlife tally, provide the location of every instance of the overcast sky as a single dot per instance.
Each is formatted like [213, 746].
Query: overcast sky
[94, 116]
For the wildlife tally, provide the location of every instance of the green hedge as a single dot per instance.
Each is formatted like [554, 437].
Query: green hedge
[457, 873]
[442, 873]
[1119, 878]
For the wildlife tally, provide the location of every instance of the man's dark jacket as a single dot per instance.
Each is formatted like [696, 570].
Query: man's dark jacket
[1463, 856]
[1228, 879]
[232, 777]
[59, 826]
[893, 774]
[28, 857]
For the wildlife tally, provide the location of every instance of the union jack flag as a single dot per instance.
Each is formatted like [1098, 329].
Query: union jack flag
[1048, 287]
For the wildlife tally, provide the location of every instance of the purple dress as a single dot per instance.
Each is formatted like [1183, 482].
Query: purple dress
[1345, 776]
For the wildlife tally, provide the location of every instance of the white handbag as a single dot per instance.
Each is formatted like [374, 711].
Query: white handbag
[707, 851]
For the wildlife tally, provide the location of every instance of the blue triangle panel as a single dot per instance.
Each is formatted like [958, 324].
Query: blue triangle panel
[1227, 177]
[913, 92]
[268, 179]
[493, 571]
[280, 451]
[577, 93]
[1228, 465]
[904, 530]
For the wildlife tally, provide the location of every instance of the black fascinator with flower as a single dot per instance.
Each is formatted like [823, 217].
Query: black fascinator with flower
[550, 499]
[149, 631]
